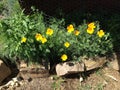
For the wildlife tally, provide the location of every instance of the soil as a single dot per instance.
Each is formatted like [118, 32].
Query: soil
[104, 78]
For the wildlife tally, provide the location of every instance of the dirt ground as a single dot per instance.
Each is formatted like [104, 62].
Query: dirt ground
[102, 79]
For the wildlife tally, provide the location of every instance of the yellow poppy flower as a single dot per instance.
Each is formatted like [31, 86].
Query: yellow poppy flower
[90, 30]
[38, 37]
[76, 32]
[70, 28]
[66, 44]
[91, 25]
[100, 33]
[23, 40]
[43, 40]
[64, 57]
[49, 31]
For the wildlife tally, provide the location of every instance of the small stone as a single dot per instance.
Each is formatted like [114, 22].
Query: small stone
[21, 83]
[81, 79]
[23, 64]
[16, 84]
[15, 79]
[52, 78]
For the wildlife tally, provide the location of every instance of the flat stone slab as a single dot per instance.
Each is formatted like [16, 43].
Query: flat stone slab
[27, 73]
[77, 67]
[69, 68]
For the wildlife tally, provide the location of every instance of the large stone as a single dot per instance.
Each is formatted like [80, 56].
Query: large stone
[93, 64]
[27, 73]
[77, 67]
[4, 71]
[69, 68]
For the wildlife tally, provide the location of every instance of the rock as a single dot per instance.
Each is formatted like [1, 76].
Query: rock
[93, 64]
[114, 64]
[23, 64]
[32, 73]
[4, 71]
[77, 67]
[10, 85]
[69, 68]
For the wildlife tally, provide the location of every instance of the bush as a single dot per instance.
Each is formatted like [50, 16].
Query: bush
[110, 21]
[30, 38]
[9, 7]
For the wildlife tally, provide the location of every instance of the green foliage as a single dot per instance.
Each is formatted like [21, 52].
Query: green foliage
[30, 38]
[9, 7]
[110, 21]
[2, 6]
[91, 44]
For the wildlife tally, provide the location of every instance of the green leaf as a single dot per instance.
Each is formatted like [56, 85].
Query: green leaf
[47, 51]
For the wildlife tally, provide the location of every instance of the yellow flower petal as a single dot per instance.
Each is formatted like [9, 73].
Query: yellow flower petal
[100, 33]
[66, 44]
[38, 37]
[91, 25]
[49, 31]
[43, 40]
[23, 40]
[70, 28]
[76, 32]
[90, 30]
[64, 57]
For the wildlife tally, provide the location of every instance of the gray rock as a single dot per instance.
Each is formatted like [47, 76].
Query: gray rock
[93, 64]
[77, 67]
[69, 68]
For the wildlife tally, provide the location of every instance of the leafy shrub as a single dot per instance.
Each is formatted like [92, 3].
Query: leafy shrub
[110, 21]
[2, 6]
[30, 38]
[9, 7]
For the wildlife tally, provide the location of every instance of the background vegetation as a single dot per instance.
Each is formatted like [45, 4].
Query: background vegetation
[9, 7]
